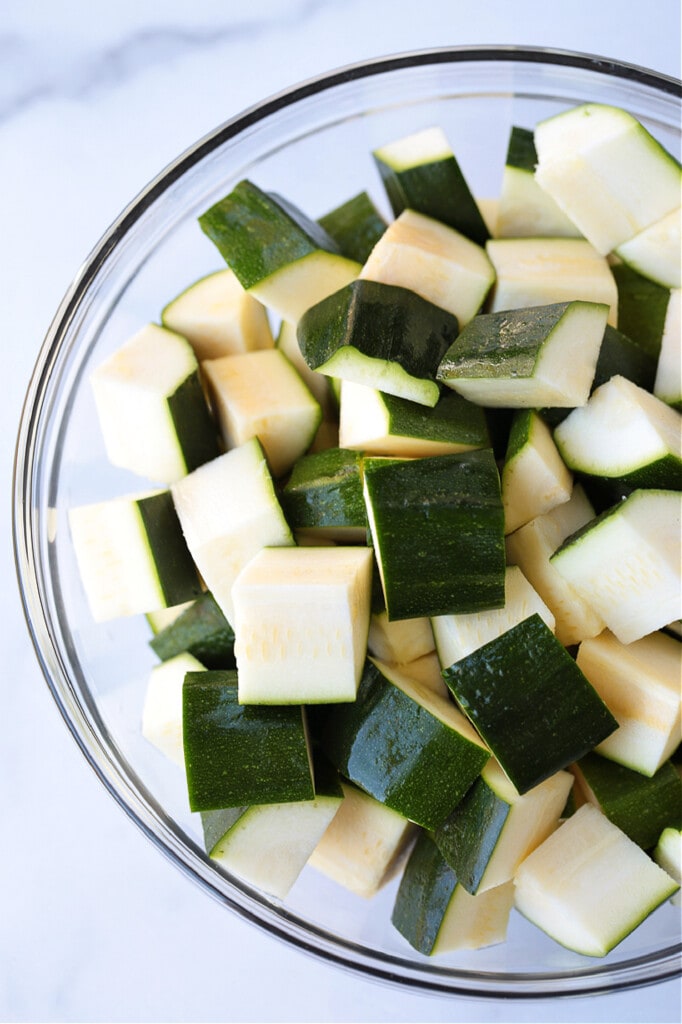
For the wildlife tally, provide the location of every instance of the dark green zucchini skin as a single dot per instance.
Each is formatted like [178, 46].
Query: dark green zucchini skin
[535, 722]
[642, 308]
[257, 233]
[504, 343]
[195, 428]
[438, 532]
[176, 570]
[382, 321]
[203, 631]
[452, 418]
[325, 490]
[521, 152]
[437, 189]
[237, 755]
[398, 752]
[356, 226]
[468, 836]
[640, 806]
[424, 894]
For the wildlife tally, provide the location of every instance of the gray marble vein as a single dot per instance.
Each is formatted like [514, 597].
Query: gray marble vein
[31, 73]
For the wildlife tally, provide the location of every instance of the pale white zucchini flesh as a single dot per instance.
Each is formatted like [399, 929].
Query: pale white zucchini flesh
[434, 260]
[626, 566]
[228, 511]
[301, 619]
[607, 173]
[364, 844]
[162, 711]
[457, 636]
[260, 394]
[588, 885]
[218, 317]
[640, 684]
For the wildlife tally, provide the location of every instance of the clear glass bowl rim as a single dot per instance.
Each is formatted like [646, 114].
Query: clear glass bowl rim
[645, 970]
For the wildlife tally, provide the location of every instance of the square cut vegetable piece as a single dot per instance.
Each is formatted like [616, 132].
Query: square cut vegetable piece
[530, 702]
[640, 683]
[404, 744]
[433, 260]
[364, 845]
[588, 886]
[260, 394]
[434, 911]
[301, 624]
[151, 406]
[228, 510]
[531, 357]
[237, 755]
[437, 528]
[131, 555]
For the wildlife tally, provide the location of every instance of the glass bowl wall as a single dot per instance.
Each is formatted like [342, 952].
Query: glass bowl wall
[313, 145]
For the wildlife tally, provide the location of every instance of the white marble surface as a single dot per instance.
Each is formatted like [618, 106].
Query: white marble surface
[95, 98]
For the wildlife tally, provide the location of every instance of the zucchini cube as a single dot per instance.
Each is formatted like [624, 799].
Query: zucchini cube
[420, 172]
[436, 914]
[531, 548]
[588, 886]
[364, 844]
[229, 511]
[626, 563]
[260, 394]
[534, 477]
[151, 407]
[301, 617]
[641, 806]
[323, 495]
[525, 211]
[162, 711]
[543, 271]
[530, 702]
[202, 630]
[268, 845]
[532, 357]
[668, 380]
[593, 160]
[236, 755]
[624, 433]
[437, 527]
[377, 423]
[456, 636]
[356, 226]
[218, 317]
[640, 684]
[281, 257]
[404, 744]
[494, 827]
[381, 335]
[434, 260]
[132, 556]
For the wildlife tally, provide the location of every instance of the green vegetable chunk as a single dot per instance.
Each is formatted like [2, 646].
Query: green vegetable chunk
[258, 233]
[640, 806]
[405, 745]
[356, 226]
[438, 532]
[325, 491]
[237, 755]
[203, 631]
[535, 722]
[382, 335]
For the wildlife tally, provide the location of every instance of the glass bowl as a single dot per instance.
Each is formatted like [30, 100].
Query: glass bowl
[313, 145]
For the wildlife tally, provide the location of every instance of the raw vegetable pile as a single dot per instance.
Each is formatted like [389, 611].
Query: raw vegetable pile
[412, 566]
